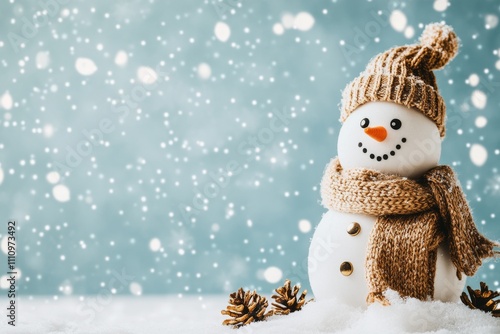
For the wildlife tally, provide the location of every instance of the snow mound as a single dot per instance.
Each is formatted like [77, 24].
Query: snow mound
[127, 315]
[411, 316]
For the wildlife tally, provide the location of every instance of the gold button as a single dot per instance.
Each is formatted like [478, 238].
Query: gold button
[354, 229]
[346, 268]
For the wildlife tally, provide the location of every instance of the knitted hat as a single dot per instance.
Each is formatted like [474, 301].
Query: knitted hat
[404, 75]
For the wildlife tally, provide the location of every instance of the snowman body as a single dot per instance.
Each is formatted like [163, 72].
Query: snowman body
[392, 139]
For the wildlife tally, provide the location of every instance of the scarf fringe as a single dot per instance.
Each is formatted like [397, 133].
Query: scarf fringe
[377, 297]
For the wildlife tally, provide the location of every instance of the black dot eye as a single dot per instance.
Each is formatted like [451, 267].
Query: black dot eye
[364, 123]
[396, 124]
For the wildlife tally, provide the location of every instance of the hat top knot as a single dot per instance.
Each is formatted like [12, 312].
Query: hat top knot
[405, 75]
[440, 44]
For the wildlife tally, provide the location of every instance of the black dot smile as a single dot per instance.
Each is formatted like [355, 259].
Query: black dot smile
[384, 156]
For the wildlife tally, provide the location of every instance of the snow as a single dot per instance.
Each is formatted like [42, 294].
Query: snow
[398, 20]
[479, 99]
[409, 32]
[135, 289]
[4, 284]
[273, 274]
[169, 314]
[287, 20]
[3, 244]
[146, 75]
[222, 31]
[441, 5]
[303, 21]
[6, 101]
[53, 177]
[121, 58]
[305, 226]
[155, 244]
[278, 29]
[490, 21]
[478, 154]
[48, 130]
[481, 121]
[61, 193]
[204, 71]
[85, 66]
[42, 59]
[66, 288]
[473, 80]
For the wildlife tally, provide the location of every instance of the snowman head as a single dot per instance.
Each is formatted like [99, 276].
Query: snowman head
[393, 114]
[390, 138]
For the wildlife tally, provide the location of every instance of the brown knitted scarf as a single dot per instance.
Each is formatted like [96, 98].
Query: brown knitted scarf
[413, 218]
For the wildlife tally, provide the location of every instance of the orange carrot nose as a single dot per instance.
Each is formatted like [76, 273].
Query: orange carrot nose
[379, 133]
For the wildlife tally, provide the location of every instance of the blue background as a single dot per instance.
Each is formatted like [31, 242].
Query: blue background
[135, 185]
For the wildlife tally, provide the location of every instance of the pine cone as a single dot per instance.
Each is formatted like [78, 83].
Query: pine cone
[286, 299]
[244, 308]
[482, 300]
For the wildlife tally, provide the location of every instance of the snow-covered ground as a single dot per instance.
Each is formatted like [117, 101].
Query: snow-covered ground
[169, 314]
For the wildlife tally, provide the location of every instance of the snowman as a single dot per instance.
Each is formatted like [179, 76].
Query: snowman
[396, 219]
